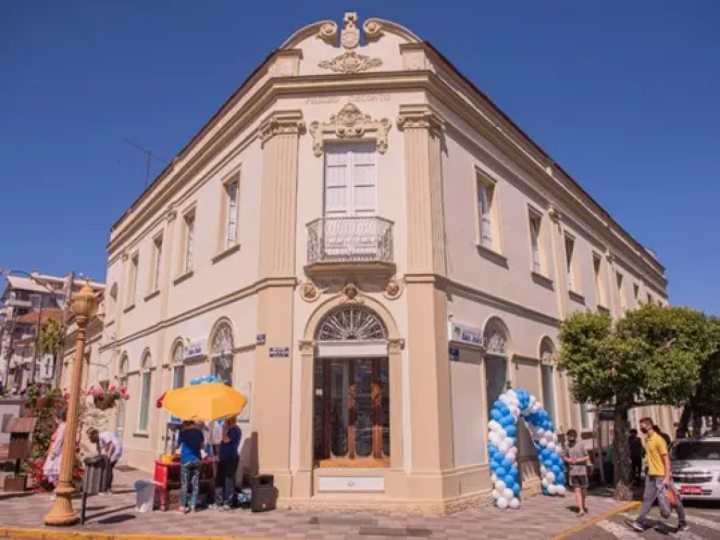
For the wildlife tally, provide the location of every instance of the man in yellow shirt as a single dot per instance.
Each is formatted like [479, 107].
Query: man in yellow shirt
[658, 480]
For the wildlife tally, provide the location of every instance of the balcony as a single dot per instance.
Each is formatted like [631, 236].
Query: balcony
[357, 245]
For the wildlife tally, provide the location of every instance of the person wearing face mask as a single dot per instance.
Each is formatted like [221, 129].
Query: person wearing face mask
[658, 480]
[576, 456]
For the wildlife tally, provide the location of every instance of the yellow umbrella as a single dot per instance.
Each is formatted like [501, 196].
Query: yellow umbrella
[207, 402]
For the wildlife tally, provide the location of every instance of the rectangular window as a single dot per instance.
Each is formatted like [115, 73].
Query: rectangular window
[178, 376]
[132, 279]
[157, 262]
[231, 213]
[189, 241]
[535, 221]
[486, 209]
[569, 264]
[350, 180]
[636, 294]
[621, 291]
[585, 416]
[649, 298]
[599, 288]
[144, 401]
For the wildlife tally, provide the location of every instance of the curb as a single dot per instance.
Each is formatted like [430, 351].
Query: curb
[17, 533]
[596, 519]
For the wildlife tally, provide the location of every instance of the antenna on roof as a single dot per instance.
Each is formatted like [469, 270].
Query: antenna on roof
[149, 156]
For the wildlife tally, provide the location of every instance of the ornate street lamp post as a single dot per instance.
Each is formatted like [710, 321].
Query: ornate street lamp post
[84, 306]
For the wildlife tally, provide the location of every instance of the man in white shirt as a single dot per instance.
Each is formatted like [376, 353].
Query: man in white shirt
[109, 445]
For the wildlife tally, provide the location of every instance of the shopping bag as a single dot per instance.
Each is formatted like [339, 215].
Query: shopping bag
[672, 496]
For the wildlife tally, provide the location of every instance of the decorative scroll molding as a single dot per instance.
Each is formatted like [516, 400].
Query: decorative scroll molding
[420, 116]
[395, 345]
[328, 32]
[307, 346]
[373, 30]
[350, 123]
[350, 62]
[281, 123]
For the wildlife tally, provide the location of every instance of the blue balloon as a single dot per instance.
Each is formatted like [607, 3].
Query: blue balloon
[551, 426]
[511, 430]
[560, 478]
[510, 479]
[507, 420]
[556, 469]
[495, 414]
[500, 472]
[516, 489]
[506, 464]
[545, 453]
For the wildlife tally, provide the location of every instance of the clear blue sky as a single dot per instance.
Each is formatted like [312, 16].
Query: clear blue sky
[624, 94]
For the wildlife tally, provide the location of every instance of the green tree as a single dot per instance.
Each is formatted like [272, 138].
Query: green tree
[651, 356]
[705, 400]
[50, 337]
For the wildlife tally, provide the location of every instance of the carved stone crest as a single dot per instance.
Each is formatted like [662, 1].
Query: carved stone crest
[349, 123]
[309, 291]
[350, 291]
[350, 37]
[393, 289]
[350, 62]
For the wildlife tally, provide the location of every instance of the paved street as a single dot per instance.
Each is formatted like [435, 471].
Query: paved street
[704, 521]
[540, 517]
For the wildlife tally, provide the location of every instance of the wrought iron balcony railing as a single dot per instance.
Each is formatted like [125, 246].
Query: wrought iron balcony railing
[349, 240]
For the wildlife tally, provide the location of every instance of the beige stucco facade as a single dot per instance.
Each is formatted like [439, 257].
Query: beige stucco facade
[419, 142]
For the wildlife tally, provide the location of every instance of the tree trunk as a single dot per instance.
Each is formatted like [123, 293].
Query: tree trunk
[622, 465]
[684, 423]
[697, 423]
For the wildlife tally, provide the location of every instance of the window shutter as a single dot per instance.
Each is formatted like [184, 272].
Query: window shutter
[232, 215]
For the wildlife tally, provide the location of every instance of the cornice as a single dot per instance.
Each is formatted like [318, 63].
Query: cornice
[281, 123]
[420, 116]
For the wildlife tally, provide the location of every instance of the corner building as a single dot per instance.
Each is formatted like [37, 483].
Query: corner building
[371, 250]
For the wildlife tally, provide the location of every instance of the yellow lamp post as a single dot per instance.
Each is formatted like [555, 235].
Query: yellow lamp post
[84, 306]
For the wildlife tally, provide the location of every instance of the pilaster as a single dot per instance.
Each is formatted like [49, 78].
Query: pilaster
[271, 411]
[429, 376]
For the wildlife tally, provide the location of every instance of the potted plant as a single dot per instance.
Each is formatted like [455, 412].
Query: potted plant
[106, 398]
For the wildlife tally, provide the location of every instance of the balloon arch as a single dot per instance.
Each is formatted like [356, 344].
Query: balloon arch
[502, 450]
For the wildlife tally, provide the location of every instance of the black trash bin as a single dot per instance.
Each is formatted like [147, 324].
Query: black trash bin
[96, 479]
[263, 493]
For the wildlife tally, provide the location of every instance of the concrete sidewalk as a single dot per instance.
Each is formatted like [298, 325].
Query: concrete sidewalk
[539, 517]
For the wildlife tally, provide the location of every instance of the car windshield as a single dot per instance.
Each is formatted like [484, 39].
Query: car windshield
[696, 450]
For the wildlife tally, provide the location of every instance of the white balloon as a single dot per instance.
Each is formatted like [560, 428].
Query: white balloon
[493, 478]
[501, 433]
[500, 486]
[542, 443]
[544, 482]
[514, 503]
[502, 502]
[504, 399]
[504, 447]
[494, 426]
[507, 493]
[551, 489]
[495, 493]
[551, 445]
[511, 457]
[509, 442]
[511, 393]
[561, 490]
[550, 477]
[536, 407]
[540, 432]
[495, 439]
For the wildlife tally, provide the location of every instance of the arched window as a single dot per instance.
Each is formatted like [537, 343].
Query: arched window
[352, 401]
[145, 390]
[495, 341]
[178, 368]
[221, 353]
[352, 323]
[547, 367]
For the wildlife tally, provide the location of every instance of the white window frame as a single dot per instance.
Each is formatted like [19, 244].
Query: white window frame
[620, 285]
[570, 263]
[350, 151]
[231, 212]
[157, 245]
[188, 253]
[601, 296]
[537, 248]
[486, 212]
[133, 271]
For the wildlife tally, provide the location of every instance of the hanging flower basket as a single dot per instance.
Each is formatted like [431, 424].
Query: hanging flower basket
[105, 398]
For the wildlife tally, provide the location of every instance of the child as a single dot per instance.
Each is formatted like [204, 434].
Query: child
[191, 442]
[577, 457]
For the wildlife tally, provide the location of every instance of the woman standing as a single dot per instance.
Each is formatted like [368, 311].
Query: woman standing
[51, 468]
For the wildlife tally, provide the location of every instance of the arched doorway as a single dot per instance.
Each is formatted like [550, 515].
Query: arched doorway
[495, 341]
[548, 360]
[123, 369]
[351, 403]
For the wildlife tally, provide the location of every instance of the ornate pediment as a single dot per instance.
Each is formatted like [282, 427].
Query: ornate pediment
[350, 123]
[350, 61]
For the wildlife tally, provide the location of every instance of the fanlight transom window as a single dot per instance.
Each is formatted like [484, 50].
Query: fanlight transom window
[495, 339]
[352, 323]
[222, 343]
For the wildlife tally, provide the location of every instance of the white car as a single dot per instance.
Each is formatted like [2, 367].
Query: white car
[696, 468]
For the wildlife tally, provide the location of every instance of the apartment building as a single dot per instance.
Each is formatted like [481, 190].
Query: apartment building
[371, 250]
